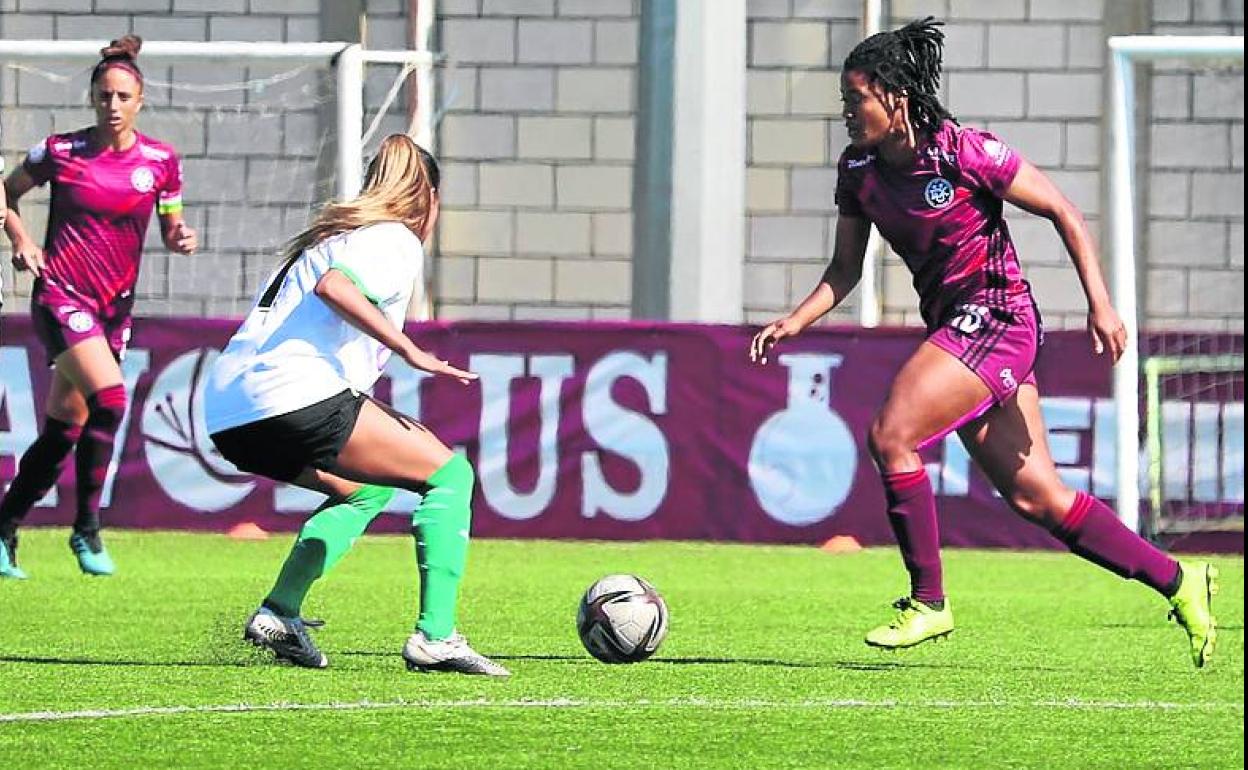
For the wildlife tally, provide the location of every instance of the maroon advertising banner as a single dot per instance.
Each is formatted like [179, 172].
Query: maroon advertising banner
[599, 431]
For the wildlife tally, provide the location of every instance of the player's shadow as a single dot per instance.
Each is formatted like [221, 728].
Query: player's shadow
[1149, 625]
[587, 660]
[48, 660]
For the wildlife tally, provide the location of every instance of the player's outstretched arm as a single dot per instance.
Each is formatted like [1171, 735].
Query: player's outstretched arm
[1034, 192]
[26, 253]
[837, 282]
[344, 297]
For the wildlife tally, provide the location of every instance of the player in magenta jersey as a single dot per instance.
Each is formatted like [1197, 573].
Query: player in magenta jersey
[935, 190]
[105, 182]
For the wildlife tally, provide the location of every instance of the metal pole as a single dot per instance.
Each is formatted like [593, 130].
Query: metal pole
[1122, 253]
[423, 37]
[869, 286]
[652, 185]
[1124, 52]
[173, 49]
[349, 67]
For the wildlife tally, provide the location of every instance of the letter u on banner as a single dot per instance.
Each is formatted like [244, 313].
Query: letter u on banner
[497, 373]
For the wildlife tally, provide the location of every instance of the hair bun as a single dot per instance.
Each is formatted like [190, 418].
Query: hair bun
[127, 46]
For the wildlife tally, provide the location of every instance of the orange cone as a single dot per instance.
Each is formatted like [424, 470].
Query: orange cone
[841, 544]
[247, 530]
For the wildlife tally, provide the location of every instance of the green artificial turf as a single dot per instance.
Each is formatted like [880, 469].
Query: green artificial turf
[1054, 663]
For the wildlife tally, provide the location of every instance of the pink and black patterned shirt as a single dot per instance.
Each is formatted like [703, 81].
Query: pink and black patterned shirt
[943, 216]
[102, 201]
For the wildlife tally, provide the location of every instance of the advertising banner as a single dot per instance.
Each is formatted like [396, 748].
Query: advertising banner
[597, 431]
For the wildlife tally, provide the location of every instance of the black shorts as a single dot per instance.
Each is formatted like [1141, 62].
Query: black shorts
[282, 447]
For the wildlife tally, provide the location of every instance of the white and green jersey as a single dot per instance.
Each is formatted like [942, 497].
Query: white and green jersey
[293, 350]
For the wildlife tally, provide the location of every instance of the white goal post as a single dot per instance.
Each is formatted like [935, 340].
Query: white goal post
[346, 60]
[1125, 52]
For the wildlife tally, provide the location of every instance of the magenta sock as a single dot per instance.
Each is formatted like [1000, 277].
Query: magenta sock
[1092, 531]
[912, 514]
[38, 470]
[106, 407]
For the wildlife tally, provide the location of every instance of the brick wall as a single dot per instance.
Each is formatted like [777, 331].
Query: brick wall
[250, 153]
[537, 150]
[537, 146]
[1195, 234]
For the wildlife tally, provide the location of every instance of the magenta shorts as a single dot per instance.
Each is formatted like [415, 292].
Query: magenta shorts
[1000, 347]
[63, 318]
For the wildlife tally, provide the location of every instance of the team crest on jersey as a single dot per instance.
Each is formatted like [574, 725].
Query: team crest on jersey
[938, 193]
[80, 322]
[142, 179]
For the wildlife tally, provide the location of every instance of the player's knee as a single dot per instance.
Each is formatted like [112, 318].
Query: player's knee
[1042, 506]
[886, 441]
[107, 406]
[456, 472]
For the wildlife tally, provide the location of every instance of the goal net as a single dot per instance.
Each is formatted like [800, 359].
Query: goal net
[1175, 232]
[266, 133]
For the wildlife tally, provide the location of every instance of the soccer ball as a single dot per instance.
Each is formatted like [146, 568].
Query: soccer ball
[622, 619]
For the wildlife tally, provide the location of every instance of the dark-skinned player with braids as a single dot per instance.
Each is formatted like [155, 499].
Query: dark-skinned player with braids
[935, 190]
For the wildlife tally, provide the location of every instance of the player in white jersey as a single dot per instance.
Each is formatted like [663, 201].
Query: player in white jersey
[285, 399]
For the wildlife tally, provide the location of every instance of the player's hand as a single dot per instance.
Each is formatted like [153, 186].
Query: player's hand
[28, 256]
[1108, 332]
[763, 342]
[419, 359]
[183, 238]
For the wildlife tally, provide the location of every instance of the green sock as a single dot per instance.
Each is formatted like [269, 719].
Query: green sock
[324, 540]
[441, 525]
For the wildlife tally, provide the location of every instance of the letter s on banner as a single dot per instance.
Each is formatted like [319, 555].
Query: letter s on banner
[625, 433]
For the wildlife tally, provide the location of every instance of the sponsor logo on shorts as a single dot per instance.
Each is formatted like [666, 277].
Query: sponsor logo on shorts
[143, 179]
[969, 319]
[1007, 379]
[938, 193]
[80, 322]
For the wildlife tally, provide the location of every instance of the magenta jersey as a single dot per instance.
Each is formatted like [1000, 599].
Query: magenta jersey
[943, 216]
[102, 201]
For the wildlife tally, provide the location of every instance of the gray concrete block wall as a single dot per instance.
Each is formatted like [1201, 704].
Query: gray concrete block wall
[794, 139]
[250, 153]
[538, 101]
[538, 137]
[1030, 72]
[1194, 241]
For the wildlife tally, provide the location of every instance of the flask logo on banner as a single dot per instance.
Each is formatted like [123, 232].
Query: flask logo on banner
[182, 458]
[802, 460]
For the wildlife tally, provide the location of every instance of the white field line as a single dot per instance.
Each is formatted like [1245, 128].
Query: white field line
[572, 703]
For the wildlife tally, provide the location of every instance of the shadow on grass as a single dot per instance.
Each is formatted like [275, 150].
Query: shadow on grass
[844, 665]
[67, 661]
[1221, 626]
[586, 660]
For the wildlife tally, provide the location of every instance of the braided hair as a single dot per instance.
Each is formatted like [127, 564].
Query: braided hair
[907, 61]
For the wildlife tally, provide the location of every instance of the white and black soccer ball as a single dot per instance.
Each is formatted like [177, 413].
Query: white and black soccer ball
[622, 619]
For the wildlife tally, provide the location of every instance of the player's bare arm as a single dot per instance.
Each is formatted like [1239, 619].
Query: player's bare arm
[341, 294]
[1035, 193]
[27, 255]
[178, 235]
[840, 278]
